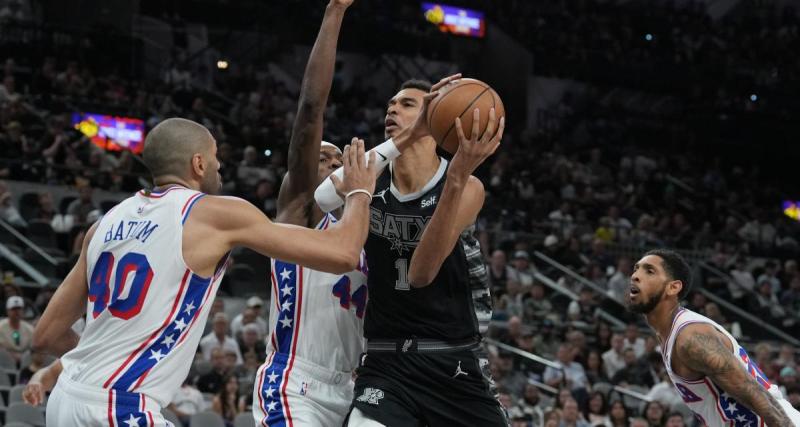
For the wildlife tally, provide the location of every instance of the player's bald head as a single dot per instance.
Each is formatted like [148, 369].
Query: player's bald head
[169, 147]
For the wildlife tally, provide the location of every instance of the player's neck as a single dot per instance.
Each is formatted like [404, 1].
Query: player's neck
[165, 182]
[660, 319]
[417, 165]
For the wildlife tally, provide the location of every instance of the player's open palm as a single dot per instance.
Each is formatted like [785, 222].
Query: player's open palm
[358, 173]
[474, 150]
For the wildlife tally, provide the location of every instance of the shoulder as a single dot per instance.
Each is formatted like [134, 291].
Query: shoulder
[695, 339]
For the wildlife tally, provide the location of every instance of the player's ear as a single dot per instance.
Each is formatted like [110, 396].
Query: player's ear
[198, 164]
[675, 287]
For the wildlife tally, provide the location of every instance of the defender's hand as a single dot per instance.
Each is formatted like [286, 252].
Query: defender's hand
[341, 3]
[33, 394]
[358, 173]
[474, 150]
[420, 127]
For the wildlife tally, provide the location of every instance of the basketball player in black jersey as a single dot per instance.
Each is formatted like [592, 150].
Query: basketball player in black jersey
[429, 291]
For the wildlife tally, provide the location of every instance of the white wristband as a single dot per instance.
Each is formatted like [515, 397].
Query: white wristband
[359, 190]
[326, 195]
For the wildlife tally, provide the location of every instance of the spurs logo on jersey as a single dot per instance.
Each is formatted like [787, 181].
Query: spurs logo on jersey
[403, 231]
[371, 396]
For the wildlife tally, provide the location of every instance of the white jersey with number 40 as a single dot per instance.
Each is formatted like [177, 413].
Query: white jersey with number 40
[146, 308]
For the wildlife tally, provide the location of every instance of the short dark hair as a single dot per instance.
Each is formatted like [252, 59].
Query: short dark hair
[420, 84]
[677, 268]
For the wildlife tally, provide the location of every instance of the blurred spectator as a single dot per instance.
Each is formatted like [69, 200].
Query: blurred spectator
[212, 382]
[664, 392]
[504, 374]
[228, 402]
[252, 170]
[788, 379]
[633, 340]
[252, 314]
[9, 212]
[522, 270]
[595, 372]
[654, 413]
[546, 342]
[618, 414]
[569, 373]
[713, 312]
[633, 373]
[639, 422]
[251, 341]
[219, 338]
[499, 272]
[532, 405]
[583, 310]
[15, 333]
[675, 419]
[264, 197]
[523, 364]
[770, 276]
[186, 402]
[81, 207]
[536, 306]
[38, 361]
[571, 417]
[597, 410]
[620, 283]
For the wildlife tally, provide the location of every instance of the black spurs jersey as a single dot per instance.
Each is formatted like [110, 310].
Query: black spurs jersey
[455, 306]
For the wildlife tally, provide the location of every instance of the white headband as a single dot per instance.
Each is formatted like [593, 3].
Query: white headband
[328, 144]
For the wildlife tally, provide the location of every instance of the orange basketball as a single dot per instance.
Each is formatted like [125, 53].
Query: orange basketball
[459, 100]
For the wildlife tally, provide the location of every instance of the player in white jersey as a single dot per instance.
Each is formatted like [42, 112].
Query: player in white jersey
[710, 370]
[148, 272]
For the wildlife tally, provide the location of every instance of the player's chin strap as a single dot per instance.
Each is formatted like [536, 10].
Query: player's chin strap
[326, 195]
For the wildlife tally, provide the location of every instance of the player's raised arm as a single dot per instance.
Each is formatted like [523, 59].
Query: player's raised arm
[336, 250]
[462, 199]
[53, 333]
[304, 146]
[703, 349]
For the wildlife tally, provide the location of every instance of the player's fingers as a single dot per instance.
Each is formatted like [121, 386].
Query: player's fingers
[491, 127]
[337, 184]
[346, 161]
[460, 130]
[360, 155]
[499, 135]
[429, 97]
[371, 165]
[476, 124]
[445, 81]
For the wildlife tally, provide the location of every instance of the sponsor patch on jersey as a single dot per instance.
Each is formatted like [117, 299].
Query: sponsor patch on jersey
[430, 201]
[371, 396]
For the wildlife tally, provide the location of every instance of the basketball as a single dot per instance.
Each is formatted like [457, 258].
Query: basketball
[459, 99]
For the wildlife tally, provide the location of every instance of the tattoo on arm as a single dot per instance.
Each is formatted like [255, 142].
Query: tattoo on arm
[707, 354]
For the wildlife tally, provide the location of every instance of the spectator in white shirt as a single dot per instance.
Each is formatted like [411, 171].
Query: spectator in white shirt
[186, 402]
[633, 340]
[620, 282]
[522, 270]
[613, 359]
[219, 338]
[570, 373]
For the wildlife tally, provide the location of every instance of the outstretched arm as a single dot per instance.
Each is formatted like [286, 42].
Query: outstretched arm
[41, 382]
[462, 199]
[303, 157]
[53, 333]
[706, 351]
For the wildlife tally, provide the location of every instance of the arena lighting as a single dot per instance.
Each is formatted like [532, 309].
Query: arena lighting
[267, 153]
[112, 133]
[791, 209]
[222, 64]
[754, 97]
[648, 37]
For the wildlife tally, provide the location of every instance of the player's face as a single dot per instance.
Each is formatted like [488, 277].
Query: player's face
[212, 180]
[648, 284]
[329, 160]
[402, 110]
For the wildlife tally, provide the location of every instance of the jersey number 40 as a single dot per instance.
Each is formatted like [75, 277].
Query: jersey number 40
[105, 292]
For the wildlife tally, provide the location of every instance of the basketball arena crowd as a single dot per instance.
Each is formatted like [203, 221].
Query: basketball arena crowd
[590, 188]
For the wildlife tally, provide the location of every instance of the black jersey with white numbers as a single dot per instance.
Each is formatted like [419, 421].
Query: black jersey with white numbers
[455, 306]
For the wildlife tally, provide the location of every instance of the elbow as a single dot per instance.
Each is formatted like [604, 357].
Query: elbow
[420, 280]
